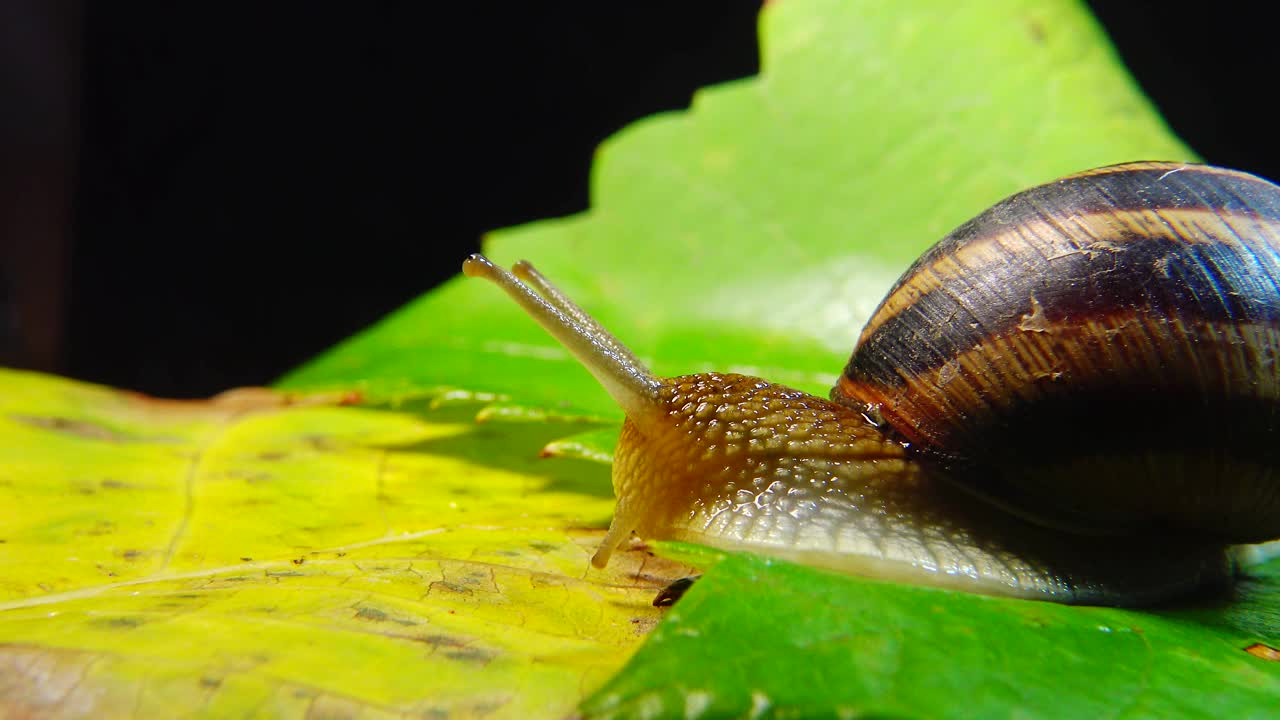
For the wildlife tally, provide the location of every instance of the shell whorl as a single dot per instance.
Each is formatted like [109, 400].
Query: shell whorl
[1104, 346]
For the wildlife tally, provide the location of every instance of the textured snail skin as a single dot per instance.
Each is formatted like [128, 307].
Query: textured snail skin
[739, 463]
[1099, 352]
[956, 396]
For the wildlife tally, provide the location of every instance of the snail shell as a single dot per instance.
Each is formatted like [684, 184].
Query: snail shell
[1072, 397]
[1099, 352]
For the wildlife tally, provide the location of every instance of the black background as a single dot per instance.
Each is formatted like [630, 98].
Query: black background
[254, 186]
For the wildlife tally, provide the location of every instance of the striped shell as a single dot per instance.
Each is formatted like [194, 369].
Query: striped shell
[1099, 352]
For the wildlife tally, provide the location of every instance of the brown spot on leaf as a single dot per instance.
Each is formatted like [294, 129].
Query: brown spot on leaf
[445, 641]
[642, 625]
[1035, 30]
[298, 561]
[450, 587]
[259, 398]
[74, 426]
[100, 528]
[368, 613]
[132, 555]
[118, 623]
[1265, 652]
[322, 443]
[476, 655]
[373, 614]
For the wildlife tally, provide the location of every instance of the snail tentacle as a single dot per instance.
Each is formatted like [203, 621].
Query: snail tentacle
[524, 270]
[627, 381]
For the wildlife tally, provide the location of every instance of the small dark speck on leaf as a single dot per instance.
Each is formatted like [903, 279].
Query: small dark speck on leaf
[673, 592]
[1035, 29]
[101, 528]
[451, 587]
[542, 546]
[246, 559]
[368, 613]
[321, 443]
[642, 626]
[299, 561]
[1265, 652]
[210, 682]
[131, 554]
[124, 623]
[445, 641]
[468, 654]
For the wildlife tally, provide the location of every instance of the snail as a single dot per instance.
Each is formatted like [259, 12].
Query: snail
[1073, 397]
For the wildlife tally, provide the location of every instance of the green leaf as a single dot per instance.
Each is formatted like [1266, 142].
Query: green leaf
[757, 637]
[757, 231]
[269, 558]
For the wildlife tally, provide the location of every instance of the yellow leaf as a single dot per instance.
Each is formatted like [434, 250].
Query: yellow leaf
[265, 554]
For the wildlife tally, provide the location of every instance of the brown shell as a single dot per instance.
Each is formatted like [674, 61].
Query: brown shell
[1099, 352]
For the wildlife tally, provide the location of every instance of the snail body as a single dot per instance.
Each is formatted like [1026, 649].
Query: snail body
[1073, 397]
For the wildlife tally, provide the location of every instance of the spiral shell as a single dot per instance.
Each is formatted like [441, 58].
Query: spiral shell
[1099, 352]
